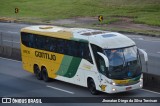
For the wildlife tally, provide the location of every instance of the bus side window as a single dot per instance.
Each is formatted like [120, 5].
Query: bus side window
[96, 49]
[80, 50]
[40, 42]
[31, 40]
[70, 48]
[52, 44]
[99, 60]
[60, 46]
[47, 44]
[25, 39]
[86, 52]
[76, 48]
[67, 47]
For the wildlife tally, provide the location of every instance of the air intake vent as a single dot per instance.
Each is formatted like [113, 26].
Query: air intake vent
[93, 33]
[108, 35]
[45, 27]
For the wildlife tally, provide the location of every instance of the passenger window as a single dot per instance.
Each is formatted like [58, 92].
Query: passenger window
[40, 42]
[31, 40]
[25, 39]
[59, 46]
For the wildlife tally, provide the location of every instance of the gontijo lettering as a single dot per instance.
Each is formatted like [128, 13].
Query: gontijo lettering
[45, 55]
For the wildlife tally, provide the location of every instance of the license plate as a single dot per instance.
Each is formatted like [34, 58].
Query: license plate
[128, 88]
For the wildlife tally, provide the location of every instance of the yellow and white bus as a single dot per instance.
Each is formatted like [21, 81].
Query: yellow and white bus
[100, 60]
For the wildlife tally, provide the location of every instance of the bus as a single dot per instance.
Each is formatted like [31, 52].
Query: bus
[100, 60]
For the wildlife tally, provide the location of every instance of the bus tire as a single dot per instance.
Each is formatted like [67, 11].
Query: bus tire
[37, 72]
[45, 75]
[92, 87]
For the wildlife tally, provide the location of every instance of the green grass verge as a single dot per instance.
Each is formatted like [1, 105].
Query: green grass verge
[143, 11]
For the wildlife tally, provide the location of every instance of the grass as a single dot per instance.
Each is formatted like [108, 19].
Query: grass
[143, 11]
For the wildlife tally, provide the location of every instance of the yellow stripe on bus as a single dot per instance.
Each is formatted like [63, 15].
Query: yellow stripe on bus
[121, 81]
[60, 34]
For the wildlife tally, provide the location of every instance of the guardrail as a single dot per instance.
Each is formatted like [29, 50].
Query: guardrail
[151, 82]
[9, 40]
[9, 52]
[9, 46]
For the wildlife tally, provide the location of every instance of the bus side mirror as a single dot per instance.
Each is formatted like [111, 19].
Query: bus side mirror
[105, 59]
[145, 57]
[144, 53]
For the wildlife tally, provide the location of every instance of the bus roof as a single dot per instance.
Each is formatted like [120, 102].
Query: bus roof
[104, 39]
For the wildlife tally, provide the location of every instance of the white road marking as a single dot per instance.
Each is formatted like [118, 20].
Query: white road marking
[143, 49]
[140, 39]
[60, 89]
[12, 32]
[158, 52]
[10, 59]
[150, 91]
[154, 40]
[10, 41]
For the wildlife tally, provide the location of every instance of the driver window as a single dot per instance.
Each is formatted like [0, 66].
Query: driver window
[101, 65]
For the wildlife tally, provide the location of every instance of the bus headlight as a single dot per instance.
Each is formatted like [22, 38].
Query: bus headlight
[141, 85]
[113, 83]
[141, 79]
[113, 89]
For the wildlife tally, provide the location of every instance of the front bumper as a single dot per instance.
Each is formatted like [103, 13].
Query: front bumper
[116, 89]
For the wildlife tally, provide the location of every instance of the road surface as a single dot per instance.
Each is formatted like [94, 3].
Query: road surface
[15, 82]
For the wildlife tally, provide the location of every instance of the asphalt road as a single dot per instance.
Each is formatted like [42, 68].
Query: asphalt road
[15, 82]
[10, 32]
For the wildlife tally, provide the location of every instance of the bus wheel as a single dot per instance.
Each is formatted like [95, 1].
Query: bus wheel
[92, 87]
[45, 75]
[37, 72]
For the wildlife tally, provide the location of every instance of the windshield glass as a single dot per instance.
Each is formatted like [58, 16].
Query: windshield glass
[124, 63]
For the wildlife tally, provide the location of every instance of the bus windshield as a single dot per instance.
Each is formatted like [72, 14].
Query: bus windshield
[124, 63]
